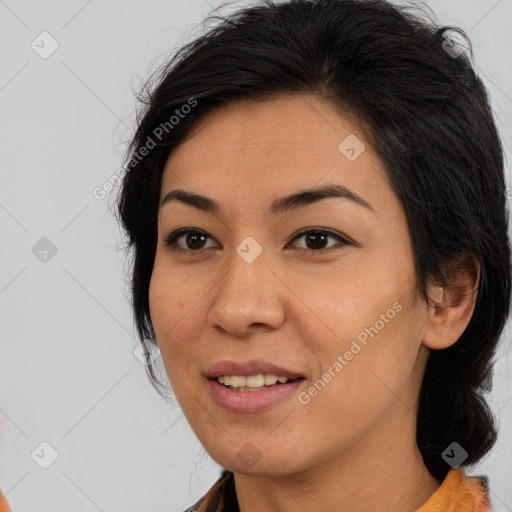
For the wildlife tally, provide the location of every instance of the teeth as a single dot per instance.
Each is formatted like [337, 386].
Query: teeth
[270, 379]
[237, 381]
[251, 381]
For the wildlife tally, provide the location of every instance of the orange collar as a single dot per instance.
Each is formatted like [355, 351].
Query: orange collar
[459, 493]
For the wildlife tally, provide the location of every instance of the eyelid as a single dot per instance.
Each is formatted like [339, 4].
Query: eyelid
[175, 235]
[342, 240]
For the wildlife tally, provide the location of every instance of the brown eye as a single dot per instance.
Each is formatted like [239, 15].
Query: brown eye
[193, 240]
[316, 240]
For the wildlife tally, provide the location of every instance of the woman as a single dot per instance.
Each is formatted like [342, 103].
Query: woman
[346, 375]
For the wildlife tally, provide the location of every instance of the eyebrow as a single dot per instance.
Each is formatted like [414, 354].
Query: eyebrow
[283, 204]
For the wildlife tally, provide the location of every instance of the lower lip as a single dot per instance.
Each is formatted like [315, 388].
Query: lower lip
[252, 401]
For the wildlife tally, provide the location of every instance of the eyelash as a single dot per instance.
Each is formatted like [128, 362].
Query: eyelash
[172, 239]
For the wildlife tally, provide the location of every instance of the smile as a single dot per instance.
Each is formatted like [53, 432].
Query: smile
[248, 399]
[252, 382]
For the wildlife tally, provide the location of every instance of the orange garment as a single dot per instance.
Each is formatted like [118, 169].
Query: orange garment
[4, 506]
[459, 493]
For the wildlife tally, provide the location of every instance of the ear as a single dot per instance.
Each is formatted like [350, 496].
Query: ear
[450, 307]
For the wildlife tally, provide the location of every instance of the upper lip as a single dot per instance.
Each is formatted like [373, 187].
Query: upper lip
[246, 368]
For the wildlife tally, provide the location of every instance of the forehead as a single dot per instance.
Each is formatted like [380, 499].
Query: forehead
[259, 148]
[304, 123]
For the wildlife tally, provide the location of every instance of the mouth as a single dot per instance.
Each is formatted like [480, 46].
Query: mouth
[258, 382]
[251, 386]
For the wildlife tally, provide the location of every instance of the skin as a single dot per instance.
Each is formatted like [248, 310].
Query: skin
[352, 447]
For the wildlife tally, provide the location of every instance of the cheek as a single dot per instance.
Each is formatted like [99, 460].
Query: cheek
[370, 319]
[173, 307]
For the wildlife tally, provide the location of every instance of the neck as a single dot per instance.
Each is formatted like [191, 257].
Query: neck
[382, 472]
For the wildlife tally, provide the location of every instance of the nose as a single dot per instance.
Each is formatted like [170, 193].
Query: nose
[249, 296]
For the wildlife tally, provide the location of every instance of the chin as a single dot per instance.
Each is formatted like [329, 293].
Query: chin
[248, 460]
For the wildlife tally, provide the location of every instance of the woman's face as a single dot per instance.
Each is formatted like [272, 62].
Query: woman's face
[250, 290]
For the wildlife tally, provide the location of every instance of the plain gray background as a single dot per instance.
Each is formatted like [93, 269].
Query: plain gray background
[68, 374]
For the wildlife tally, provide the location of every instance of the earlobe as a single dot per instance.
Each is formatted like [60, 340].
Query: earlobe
[451, 307]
